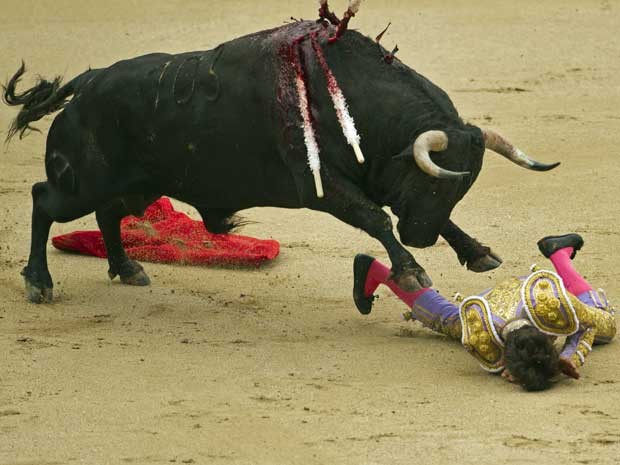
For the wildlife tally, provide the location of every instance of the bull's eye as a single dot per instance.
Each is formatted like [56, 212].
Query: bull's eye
[434, 184]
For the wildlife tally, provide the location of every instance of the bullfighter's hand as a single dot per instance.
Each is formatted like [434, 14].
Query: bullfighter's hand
[508, 376]
[568, 367]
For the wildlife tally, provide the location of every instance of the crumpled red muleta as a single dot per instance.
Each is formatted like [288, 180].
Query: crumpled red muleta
[165, 235]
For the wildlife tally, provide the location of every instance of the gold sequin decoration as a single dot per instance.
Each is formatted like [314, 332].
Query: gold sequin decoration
[453, 328]
[576, 359]
[546, 308]
[602, 322]
[477, 336]
[504, 298]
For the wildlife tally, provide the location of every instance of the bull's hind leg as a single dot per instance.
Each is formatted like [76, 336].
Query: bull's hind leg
[48, 205]
[39, 285]
[109, 221]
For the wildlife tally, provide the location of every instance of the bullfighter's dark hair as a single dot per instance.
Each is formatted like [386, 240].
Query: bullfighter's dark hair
[531, 358]
[44, 98]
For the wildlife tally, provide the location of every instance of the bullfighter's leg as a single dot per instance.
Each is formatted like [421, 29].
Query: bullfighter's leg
[349, 204]
[427, 306]
[109, 221]
[477, 257]
[49, 205]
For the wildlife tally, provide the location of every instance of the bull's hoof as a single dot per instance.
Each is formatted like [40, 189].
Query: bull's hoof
[485, 263]
[424, 279]
[39, 295]
[131, 273]
[138, 279]
[412, 280]
[39, 286]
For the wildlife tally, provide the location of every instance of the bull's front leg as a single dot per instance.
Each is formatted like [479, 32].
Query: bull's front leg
[349, 204]
[477, 257]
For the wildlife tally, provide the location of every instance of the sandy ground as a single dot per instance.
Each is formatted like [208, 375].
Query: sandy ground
[275, 366]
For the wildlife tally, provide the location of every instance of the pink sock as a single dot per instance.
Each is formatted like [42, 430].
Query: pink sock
[574, 282]
[378, 273]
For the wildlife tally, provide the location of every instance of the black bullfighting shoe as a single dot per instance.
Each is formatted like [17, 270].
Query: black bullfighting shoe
[361, 265]
[551, 244]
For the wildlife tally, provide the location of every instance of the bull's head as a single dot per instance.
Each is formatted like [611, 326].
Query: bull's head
[425, 204]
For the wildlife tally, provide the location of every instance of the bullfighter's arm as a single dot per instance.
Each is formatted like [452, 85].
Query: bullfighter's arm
[596, 326]
[578, 346]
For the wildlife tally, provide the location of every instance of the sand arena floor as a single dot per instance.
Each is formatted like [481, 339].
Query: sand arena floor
[275, 366]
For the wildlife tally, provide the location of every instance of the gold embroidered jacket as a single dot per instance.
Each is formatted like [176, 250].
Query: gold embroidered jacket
[541, 298]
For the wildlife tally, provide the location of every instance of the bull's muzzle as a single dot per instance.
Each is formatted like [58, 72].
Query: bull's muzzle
[417, 234]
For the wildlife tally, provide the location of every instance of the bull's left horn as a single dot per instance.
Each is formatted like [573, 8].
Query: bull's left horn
[499, 144]
[433, 141]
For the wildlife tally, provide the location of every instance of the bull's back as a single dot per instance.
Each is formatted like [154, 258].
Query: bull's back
[200, 123]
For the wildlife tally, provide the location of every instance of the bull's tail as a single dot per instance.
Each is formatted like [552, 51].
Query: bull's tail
[44, 98]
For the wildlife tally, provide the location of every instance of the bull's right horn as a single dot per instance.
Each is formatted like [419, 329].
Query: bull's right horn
[499, 144]
[433, 141]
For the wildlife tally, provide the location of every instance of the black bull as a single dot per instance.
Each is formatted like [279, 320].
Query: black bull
[221, 131]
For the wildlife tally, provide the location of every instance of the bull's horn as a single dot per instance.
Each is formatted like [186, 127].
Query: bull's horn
[435, 141]
[499, 144]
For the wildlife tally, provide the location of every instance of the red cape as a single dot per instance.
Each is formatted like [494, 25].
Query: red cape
[167, 236]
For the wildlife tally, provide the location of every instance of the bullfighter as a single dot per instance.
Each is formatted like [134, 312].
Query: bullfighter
[511, 328]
